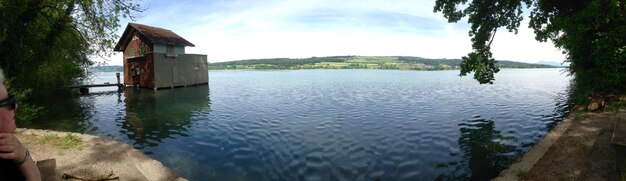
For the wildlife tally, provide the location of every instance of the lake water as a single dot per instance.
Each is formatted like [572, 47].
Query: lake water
[326, 124]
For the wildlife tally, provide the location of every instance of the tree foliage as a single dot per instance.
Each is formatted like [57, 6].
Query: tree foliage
[591, 33]
[45, 44]
[48, 43]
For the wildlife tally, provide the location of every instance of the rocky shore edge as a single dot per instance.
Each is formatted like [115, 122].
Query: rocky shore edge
[584, 146]
[528, 160]
[65, 154]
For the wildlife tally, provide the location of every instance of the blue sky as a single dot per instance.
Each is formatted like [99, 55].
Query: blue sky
[227, 30]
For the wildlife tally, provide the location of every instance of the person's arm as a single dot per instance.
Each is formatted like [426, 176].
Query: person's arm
[29, 169]
[11, 148]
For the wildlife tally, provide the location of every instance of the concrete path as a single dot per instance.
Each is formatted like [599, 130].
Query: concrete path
[526, 162]
[94, 158]
[577, 149]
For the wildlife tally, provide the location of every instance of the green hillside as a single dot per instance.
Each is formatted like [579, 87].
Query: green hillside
[358, 62]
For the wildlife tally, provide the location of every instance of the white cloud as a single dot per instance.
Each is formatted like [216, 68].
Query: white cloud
[523, 47]
[233, 30]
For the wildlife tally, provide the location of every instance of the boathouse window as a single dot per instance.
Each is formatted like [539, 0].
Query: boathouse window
[131, 52]
[169, 51]
[142, 49]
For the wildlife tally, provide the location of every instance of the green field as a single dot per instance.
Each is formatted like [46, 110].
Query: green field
[358, 62]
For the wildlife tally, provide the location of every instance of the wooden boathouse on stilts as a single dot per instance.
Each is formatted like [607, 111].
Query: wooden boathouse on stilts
[155, 58]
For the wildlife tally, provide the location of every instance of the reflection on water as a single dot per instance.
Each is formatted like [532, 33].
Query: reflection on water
[562, 105]
[140, 117]
[70, 112]
[484, 151]
[326, 124]
[485, 148]
[154, 115]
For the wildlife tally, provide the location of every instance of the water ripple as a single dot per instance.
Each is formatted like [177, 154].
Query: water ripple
[330, 124]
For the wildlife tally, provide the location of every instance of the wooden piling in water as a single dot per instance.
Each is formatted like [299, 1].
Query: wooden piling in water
[120, 87]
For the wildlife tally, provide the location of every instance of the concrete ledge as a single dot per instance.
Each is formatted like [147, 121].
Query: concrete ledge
[94, 158]
[619, 140]
[526, 162]
[619, 133]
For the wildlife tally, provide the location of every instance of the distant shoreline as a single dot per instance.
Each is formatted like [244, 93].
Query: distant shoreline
[347, 62]
[121, 69]
[381, 69]
[359, 62]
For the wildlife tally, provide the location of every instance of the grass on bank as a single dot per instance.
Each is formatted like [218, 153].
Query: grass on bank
[522, 173]
[68, 141]
[614, 106]
[580, 113]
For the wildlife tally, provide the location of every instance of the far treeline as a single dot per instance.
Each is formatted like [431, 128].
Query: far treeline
[358, 62]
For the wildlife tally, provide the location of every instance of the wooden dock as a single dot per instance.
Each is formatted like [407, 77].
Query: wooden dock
[94, 85]
[84, 89]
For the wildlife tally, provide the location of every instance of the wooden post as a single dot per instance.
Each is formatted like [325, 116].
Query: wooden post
[84, 90]
[119, 85]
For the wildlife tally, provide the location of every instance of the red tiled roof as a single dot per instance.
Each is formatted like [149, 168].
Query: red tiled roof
[151, 35]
